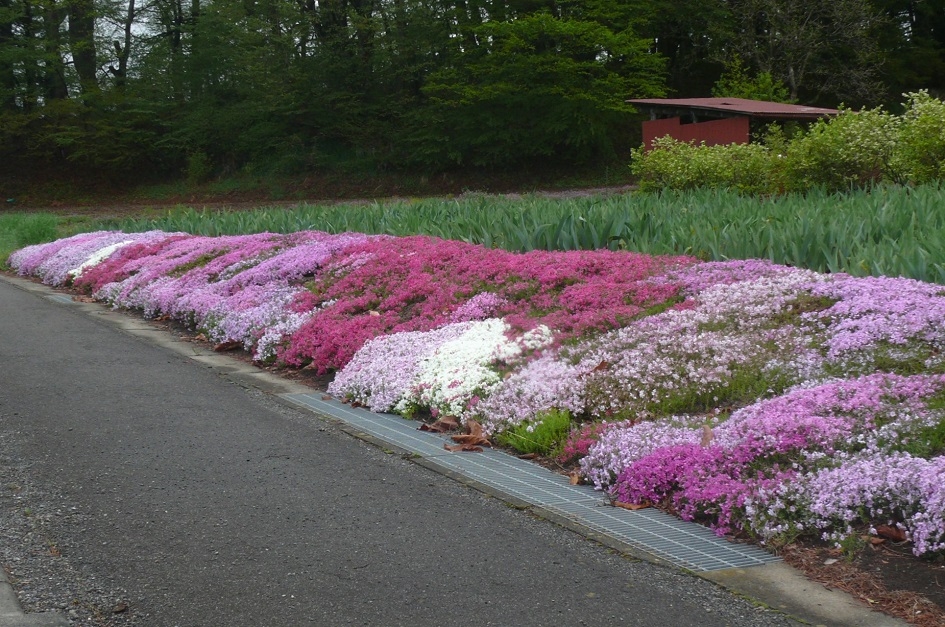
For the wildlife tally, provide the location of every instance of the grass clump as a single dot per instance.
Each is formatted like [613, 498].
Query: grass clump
[25, 229]
[543, 436]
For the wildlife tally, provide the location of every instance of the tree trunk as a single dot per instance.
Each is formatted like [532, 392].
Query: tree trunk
[7, 77]
[82, 42]
[55, 68]
[123, 50]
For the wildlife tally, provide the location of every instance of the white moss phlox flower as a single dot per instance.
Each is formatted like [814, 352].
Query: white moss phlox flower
[98, 257]
[459, 372]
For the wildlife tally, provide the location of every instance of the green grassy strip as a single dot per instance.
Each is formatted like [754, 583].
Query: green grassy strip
[894, 231]
[22, 228]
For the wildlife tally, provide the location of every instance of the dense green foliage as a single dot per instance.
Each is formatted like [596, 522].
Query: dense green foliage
[18, 229]
[894, 230]
[142, 90]
[849, 150]
[543, 436]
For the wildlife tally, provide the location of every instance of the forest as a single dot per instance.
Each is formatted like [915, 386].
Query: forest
[131, 91]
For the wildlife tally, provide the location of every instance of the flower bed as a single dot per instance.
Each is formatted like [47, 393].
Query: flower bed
[756, 398]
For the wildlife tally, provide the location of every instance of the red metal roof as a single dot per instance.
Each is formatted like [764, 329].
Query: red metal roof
[736, 106]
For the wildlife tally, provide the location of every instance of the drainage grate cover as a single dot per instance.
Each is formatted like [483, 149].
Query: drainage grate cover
[676, 541]
[60, 298]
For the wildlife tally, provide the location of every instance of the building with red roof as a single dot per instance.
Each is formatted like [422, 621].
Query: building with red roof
[717, 120]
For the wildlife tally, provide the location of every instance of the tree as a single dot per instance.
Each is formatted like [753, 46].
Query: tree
[536, 87]
[736, 82]
[823, 51]
[82, 43]
[912, 39]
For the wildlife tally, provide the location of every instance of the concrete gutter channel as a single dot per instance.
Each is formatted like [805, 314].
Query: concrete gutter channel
[649, 535]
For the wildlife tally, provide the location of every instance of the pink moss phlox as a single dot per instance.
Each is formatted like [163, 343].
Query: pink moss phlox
[732, 328]
[874, 310]
[155, 269]
[26, 260]
[479, 307]
[895, 489]
[621, 444]
[580, 440]
[420, 283]
[822, 418]
[236, 288]
[655, 476]
[124, 262]
[755, 470]
[57, 263]
[697, 278]
[384, 370]
[544, 383]
[699, 482]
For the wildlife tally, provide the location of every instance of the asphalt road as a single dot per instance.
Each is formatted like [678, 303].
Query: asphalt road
[210, 504]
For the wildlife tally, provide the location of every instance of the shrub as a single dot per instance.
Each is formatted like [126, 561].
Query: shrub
[920, 152]
[849, 150]
[852, 149]
[673, 164]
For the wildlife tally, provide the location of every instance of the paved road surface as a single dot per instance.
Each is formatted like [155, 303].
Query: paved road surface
[210, 504]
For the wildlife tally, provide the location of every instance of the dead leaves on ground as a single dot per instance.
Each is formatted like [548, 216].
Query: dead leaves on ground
[443, 425]
[632, 506]
[472, 441]
[891, 533]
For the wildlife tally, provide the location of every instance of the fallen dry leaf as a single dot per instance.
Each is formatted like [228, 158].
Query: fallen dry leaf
[119, 608]
[472, 440]
[604, 365]
[632, 506]
[83, 299]
[473, 435]
[443, 425]
[227, 346]
[469, 448]
[574, 477]
[891, 533]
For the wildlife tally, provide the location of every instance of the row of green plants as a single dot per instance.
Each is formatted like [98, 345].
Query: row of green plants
[21, 229]
[852, 149]
[887, 230]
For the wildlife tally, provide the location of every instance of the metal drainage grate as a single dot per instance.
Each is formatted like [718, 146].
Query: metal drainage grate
[682, 543]
[61, 298]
